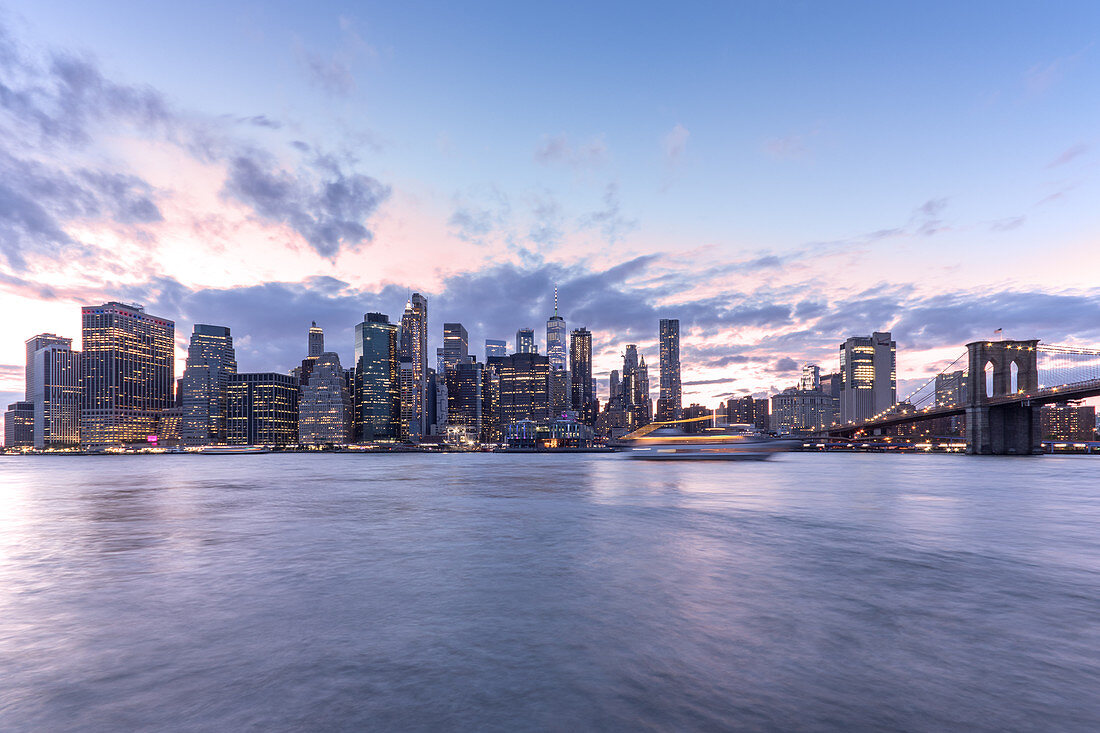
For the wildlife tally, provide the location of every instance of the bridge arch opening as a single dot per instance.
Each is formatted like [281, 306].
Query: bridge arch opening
[988, 379]
[1013, 378]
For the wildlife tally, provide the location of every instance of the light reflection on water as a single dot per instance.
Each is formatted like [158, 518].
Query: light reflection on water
[825, 592]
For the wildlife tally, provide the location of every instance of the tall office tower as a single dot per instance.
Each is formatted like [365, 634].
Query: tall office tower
[414, 352]
[377, 385]
[951, 389]
[741, 410]
[464, 399]
[316, 340]
[634, 388]
[56, 397]
[431, 413]
[211, 361]
[19, 425]
[830, 385]
[456, 345]
[441, 400]
[495, 347]
[325, 404]
[261, 408]
[868, 371]
[525, 341]
[811, 378]
[127, 369]
[33, 344]
[524, 387]
[491, 431]
[558, 392]
[556, 331]
[615, 389]
[580, 367]
[669, 397]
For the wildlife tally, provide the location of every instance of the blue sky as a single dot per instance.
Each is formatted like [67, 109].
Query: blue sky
[870, 161]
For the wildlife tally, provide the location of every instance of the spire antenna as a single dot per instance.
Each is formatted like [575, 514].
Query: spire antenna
[555, 300]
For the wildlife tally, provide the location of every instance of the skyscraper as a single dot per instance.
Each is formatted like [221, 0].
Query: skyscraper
[261, 409]
[414, 352]
[19, 425]
[464, 398]
[811, 378]
[556, 332]
[495, 347]
[33, 344]
[456, 345]
[316, 340]
[669, 398]
[634, 388]
[580, 367]
[524, 387]
[56, 396]
[325, 404]
[377, 387]
[525, 341]
[211, 361]
[868, 370]
[127, 373]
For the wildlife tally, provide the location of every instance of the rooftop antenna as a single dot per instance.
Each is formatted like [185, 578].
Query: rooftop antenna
[555, 300]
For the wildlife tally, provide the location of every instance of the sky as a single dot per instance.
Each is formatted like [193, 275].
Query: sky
[776, 175]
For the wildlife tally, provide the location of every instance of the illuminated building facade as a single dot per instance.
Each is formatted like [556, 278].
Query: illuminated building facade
[464, 398]
[491, 432]
[696, 410]
[525, 341]
[19, 425]
[1068, 421]
[56, 396]
[868, 372]
[316, 340]
[797, 411]
[127, 373]
[580, 368]
[262, 409]
[325, 404]
[524, 387]
[377, 386]
[556, 332]
[211, 361]
[413, 351]
[811, 378]
[558, 392]
[670, 395]
[456, 345]
[495, 347]
[634, 388]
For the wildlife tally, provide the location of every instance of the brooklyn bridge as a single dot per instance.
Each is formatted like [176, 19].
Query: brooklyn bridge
[1003, 385]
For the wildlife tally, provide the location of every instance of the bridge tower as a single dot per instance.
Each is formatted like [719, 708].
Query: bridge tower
[995, 423]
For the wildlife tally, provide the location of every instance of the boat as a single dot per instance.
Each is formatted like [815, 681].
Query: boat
[232, 450]
[665, 441]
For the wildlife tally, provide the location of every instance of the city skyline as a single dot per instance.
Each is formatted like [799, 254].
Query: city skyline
[938, 198]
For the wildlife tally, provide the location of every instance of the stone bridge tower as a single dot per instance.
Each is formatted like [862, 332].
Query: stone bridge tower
[997, 424]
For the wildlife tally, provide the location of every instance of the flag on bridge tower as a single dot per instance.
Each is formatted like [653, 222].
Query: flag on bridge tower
[998, 332]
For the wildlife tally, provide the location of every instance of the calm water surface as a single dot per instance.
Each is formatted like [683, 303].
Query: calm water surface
[504, 593]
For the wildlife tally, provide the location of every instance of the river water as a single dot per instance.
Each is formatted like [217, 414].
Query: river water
[549, 592]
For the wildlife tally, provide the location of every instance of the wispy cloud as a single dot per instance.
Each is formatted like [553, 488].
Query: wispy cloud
[559, 150]
[1070, 153]
[675, 143]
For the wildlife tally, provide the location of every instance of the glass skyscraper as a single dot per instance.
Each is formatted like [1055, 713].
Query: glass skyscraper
[669, 398]
[456, 345]
[127, 373]
[556, 332]
[262, 409]
[495, 347]
[56, 396]
[414, 352]
[868, 371]
[525, 341]
[377, 385]
[211, 361]
[580, 367]
[524, 387]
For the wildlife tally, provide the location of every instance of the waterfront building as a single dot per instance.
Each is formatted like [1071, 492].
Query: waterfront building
[558, 391]
[525, 341]
[490, 407]
[262, 409]
[951, 389]
[456, 345]
[524, 386]
[798, 411]
[634, 388]
[583, 387]
[1071, 421]
[554, 434]
[377, 385]
[613, 422]
[211, 361]
[868, 370]
[414, 352]
[696, 410]
[441, 400]
[33, 344]
[325, 404]
[19, 425]
[495, 347]
[127, 373]
[56, 395]
[669, 397]
[169, 422]
[464, 398]
[556, 348]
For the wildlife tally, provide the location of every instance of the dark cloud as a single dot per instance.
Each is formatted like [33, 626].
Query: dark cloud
[703, 382]
[329, 214]
[785, 365]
